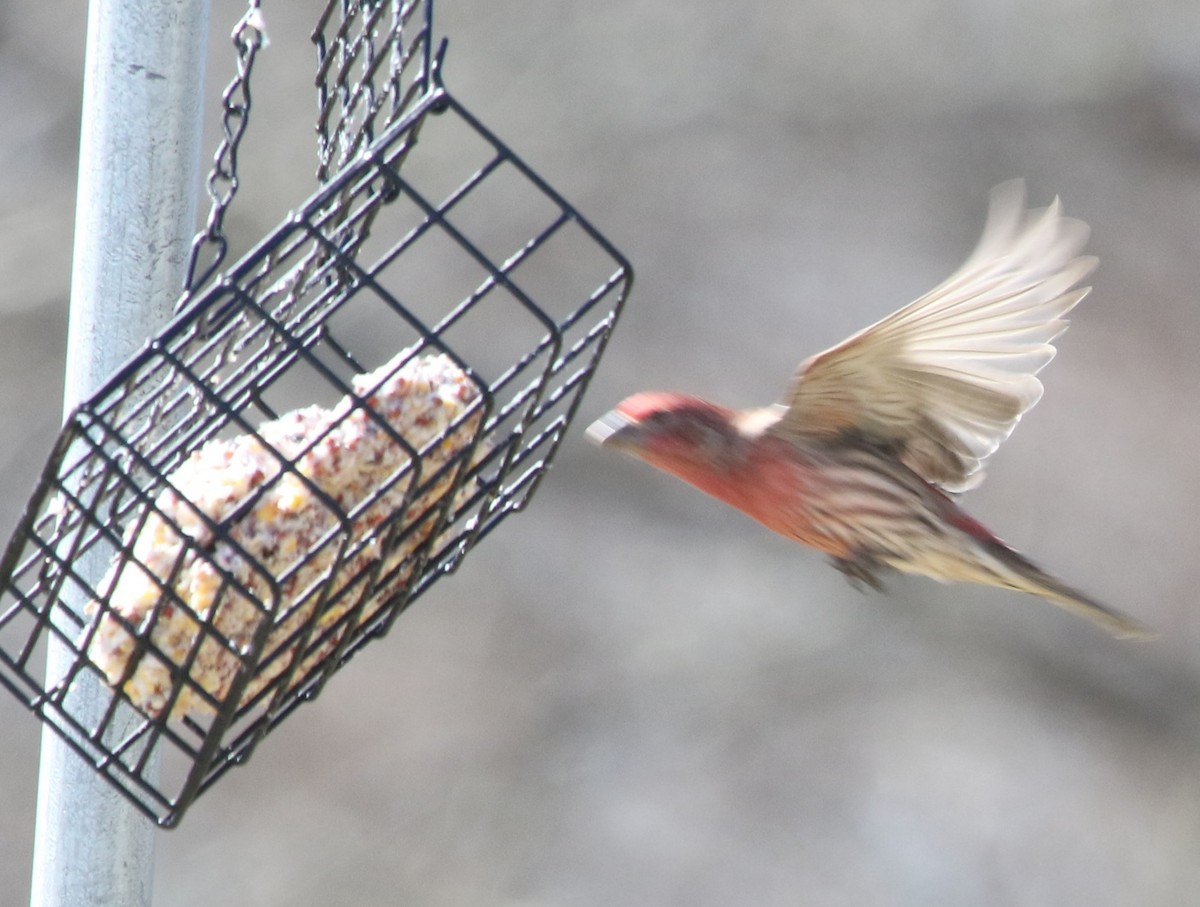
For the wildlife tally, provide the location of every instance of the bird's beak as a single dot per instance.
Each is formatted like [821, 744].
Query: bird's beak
[613, 430]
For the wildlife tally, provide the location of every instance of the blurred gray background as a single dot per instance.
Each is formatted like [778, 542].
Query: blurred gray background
[630, 695]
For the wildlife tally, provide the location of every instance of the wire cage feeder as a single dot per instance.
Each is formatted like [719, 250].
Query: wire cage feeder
[322, 431]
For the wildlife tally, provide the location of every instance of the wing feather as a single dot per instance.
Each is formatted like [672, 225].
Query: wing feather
[944, 380]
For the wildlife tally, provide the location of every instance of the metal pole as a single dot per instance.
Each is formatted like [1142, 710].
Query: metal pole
[136, 211]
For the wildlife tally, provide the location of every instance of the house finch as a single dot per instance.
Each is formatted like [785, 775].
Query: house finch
[874, 433]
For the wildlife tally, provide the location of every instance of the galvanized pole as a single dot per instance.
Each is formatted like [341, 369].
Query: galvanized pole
[135, 214]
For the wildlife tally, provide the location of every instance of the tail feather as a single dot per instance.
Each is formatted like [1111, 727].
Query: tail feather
[1017, 572]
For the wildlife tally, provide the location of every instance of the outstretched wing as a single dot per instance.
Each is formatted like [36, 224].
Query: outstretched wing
[944, 380]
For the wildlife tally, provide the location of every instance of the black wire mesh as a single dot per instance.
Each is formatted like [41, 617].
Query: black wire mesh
[374, 59]
[472, 266]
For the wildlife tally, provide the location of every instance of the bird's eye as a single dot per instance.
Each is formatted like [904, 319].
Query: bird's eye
[656, 419]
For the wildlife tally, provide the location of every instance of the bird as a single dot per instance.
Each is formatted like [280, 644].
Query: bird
[875, 438]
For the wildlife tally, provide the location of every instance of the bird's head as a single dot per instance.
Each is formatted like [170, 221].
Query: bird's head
[669, 430]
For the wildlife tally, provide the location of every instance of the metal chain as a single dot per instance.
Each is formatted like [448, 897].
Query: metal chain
[248, 36]
[364, 47]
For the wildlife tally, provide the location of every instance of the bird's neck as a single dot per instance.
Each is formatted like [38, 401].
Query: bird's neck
[751, 475]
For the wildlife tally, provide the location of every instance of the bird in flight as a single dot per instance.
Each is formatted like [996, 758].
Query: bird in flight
[874, 435]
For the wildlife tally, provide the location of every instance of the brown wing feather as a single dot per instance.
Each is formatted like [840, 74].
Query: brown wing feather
[946, 378]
